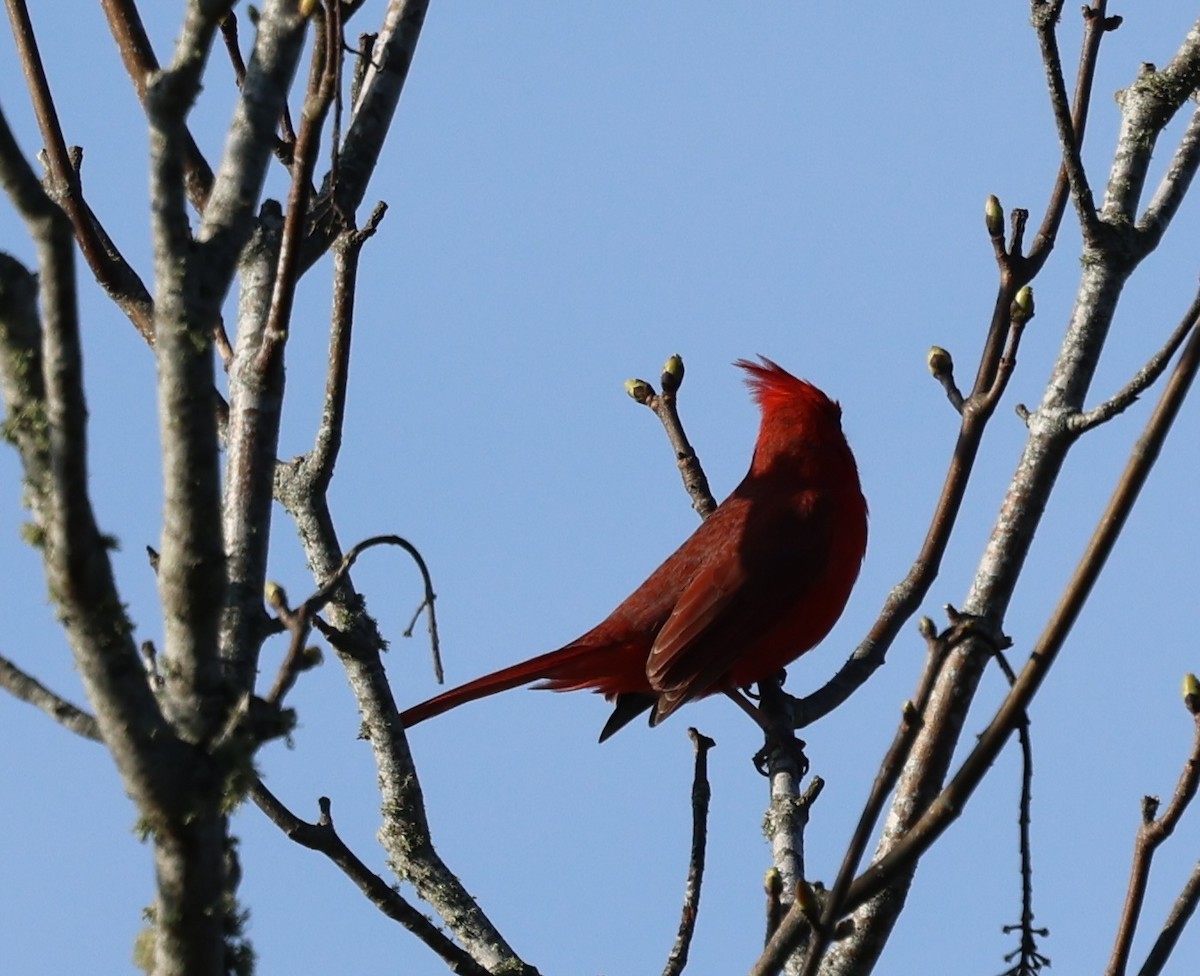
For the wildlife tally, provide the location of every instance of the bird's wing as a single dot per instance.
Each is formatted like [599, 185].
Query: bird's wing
[740, 592]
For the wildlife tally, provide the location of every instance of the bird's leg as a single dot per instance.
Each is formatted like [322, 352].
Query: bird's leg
[741, 698]
[774, 716]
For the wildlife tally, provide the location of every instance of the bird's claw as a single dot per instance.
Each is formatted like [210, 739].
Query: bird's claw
[782, 745]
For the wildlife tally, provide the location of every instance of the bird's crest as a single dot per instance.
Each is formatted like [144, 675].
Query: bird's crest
[772, 387]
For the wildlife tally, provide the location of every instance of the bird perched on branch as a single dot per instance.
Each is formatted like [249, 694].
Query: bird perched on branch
[762, 580]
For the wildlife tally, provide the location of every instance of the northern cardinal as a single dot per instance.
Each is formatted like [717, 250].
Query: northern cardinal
[762, 580]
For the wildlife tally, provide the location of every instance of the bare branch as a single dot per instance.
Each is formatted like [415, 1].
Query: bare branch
[1029, 959]
[905, 598]
[229, 215]
[28, 689]
[372, 114]
[946, 807]
[1151, 834]
[1181, 913]
[112, 271]
[141, 63]
[664, 407]
[346, 251]
[405, 832]
[191, 575]
[701, 794]
[1045, 21]
[1142, 379]
[252, 439]
[335, 581]
[322, 837]
[42, 378]
[323, 78]
[1146, 107]
[1175, 183]
[790, 934]
[1096, 25]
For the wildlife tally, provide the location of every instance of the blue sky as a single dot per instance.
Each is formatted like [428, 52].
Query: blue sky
[578, 191]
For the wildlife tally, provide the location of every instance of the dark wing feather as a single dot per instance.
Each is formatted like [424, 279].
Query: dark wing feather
[738, 595]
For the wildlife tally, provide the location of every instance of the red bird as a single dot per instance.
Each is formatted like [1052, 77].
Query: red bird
[761, 581]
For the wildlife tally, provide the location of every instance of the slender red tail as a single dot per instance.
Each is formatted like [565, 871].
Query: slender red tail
[545, 667]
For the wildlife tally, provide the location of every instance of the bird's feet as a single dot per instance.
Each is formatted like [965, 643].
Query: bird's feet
[782, 746]
[773, 714]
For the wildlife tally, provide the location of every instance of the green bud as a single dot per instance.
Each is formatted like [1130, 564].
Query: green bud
[939, 361]
[993, 216]
[1191, 692]
[672, 374]
[310, 657]
[806, 898]
[275, 595]
[640, 390]
[1022, 306]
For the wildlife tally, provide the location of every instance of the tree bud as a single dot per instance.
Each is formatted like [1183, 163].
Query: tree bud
[1022, 306]
[940, 362]
[640, 390]
[672, 374]
[993, 216]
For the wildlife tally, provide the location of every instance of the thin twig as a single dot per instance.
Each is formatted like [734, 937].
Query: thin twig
[952, 799]
[938, 647]
[1175, 183]
[229, 34]
[1181, 913]
[1045, 21]
[1151, 834]
[322, 78]
[664, 406]
[1029, 959]
[323, 837]
[1096, 25]
[1142, 379]
[140, 62]
[701, 794]
[346, 251]
[27, 688]
[112, 271]
[905, 597]
[941, 368]
[326, 592]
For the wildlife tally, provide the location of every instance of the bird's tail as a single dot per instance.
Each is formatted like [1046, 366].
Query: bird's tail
[563, 670]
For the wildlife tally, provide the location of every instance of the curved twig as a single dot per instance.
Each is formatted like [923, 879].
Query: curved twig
[326, 592]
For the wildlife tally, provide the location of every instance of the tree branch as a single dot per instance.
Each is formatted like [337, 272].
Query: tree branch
[701, 795]
[140, 62]
[1045, 21]
[28, 689]
[323, 838]
[112, 271]
[1151, 834]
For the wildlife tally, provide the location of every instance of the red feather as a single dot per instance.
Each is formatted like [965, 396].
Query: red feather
[761, 581]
